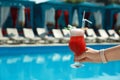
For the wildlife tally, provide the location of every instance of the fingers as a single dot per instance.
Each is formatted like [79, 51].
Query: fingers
[84, 60]
[84, 57]
[88, 56]
[78, 58]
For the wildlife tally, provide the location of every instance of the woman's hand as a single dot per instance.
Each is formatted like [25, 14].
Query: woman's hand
[90, 55]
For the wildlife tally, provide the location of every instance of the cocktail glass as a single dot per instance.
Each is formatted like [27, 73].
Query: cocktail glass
[77, 45]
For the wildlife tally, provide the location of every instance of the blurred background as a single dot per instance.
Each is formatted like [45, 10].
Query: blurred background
[57, 14]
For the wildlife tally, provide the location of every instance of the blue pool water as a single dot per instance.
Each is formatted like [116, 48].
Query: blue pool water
[52, 63]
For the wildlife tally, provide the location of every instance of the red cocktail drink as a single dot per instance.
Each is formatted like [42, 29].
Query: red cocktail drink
[77, 43]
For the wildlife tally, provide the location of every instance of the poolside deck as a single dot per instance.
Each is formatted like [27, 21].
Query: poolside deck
[54, 44]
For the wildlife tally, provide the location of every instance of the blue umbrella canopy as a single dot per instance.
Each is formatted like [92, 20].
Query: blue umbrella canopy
[113, 6]
[89, 4]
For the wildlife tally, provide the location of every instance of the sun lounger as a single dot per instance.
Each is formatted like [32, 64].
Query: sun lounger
[14, 36]
[29, 35]
[42, 33]
[66, 32]
[3, 39]
[90, 35]
[103, 36]
[58, 35]
[113, 35]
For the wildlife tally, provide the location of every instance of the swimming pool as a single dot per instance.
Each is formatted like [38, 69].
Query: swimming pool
[52, 63]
